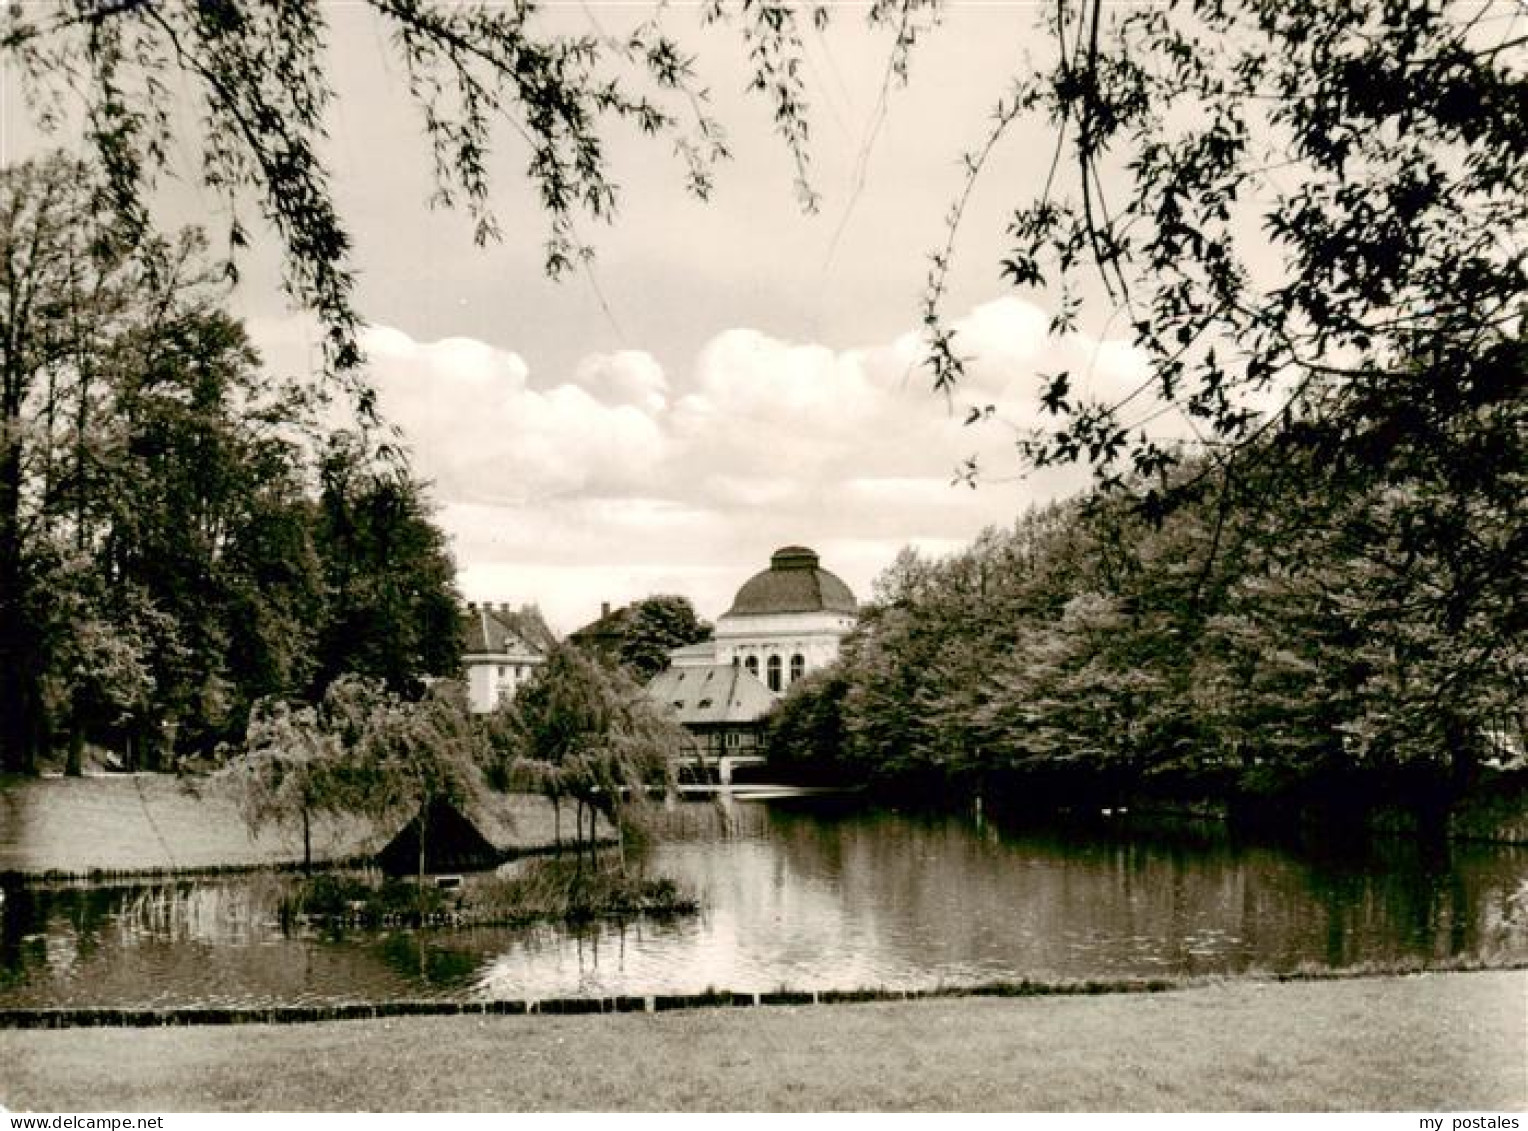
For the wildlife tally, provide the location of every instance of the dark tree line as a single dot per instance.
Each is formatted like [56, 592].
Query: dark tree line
[178, 536]
[1325, 647]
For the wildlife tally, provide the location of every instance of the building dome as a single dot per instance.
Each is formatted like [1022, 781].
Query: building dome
[795, 582]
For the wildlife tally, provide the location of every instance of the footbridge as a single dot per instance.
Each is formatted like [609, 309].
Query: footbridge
[715, 766]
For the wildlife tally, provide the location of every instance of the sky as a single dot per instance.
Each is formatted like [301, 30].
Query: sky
[728, 377]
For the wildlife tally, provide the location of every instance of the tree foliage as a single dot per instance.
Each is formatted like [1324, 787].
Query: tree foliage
[292, 769]
[362, 752]
[176, 540]
[1316, 647]
[409, 754]
[654, 626]
[584, 731]
[483, 77]
[1310, 216]
[1292, 207]
[389, 580]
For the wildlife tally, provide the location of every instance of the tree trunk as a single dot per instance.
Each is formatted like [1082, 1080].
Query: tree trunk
[16, 700]
[620, 840]
[424, 820]
[73, 763]
[307, 842]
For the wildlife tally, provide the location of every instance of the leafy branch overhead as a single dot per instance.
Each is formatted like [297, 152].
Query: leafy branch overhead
[484, 77]
[1310, 216]
[258, 76]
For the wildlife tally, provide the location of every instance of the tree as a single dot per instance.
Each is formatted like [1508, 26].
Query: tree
[363, 751]
[292, 768]
[164, 559]
[392, 604]
[807, 728]
[100, 680]
[1310, 216]
[406, 756]
[59, 276]
[204, 510]
[477, 72]
[1308, 196]
[579, 729]
[654, 626]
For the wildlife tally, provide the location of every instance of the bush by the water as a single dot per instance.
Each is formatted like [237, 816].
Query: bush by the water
[561, 889]
[545, 889]
[366, 898]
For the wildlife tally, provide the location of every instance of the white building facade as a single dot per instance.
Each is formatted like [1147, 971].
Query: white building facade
[785, 621]
[500, 653]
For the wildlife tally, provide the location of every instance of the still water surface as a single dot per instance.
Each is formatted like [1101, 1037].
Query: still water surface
[803, 895]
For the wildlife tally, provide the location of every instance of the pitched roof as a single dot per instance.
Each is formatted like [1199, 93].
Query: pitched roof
[608, 630]
[454, 844]
[713, 694]
[795, 582]
[489, 630]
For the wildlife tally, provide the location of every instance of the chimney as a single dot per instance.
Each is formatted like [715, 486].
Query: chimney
[472, 606]
[503, 606]
[604, 609]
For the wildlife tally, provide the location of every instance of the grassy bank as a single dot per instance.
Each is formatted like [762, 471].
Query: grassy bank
[1432, 1042]
[154, 823]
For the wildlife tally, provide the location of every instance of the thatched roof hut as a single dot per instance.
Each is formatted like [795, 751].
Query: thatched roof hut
[476, 835]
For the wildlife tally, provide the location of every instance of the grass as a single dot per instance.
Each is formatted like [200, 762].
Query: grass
[1437, 1042]
[132, 824]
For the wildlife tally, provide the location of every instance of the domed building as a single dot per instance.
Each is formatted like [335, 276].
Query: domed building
[785, 621]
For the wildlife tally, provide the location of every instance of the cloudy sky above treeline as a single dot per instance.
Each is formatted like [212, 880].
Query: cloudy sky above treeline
[727, 377]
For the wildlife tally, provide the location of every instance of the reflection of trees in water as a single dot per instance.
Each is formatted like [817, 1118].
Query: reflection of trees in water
[553, 960]
[719, 816]
[214, 941]
[222, 911]
[429, 960]
[1079, 902]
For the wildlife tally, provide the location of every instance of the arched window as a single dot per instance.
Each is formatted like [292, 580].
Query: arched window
[752, 664]
[798, 667]
[774, 673]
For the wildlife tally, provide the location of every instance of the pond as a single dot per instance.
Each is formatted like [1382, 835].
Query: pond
[805, 895]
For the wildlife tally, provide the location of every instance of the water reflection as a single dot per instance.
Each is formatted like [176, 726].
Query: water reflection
[805, 896]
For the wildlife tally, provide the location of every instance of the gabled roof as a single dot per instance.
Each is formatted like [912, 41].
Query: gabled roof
[713, 694]
[608, 630]
[489, 630]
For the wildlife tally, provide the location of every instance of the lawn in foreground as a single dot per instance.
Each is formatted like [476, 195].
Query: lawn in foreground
[1429, 1042]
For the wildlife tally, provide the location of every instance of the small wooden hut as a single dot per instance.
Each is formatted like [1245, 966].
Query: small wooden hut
[453, 843]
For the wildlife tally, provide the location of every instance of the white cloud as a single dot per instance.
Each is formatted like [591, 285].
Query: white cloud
[629, 377]
[481, 433]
